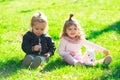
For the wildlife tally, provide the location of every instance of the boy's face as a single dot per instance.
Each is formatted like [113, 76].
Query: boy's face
[39, 28]
[72, 31]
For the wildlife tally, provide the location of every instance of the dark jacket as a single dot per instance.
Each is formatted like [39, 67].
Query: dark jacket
[30, 40]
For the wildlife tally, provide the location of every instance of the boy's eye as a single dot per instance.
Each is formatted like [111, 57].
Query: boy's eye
[37, 29]
[42, 29]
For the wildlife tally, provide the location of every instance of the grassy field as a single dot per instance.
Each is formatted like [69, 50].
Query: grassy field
[100, 20]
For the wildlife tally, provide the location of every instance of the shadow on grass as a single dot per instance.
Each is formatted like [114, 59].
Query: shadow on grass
[109, 72]
[9, 67]
[113, 73]
[53, 65]
[6, 0]
[113, 27]
[26, 11]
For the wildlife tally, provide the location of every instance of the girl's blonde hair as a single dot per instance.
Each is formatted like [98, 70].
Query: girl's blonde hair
[74, 22]
[39, 17]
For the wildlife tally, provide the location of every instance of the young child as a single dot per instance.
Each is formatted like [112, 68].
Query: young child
[72, 39]
[37, 44]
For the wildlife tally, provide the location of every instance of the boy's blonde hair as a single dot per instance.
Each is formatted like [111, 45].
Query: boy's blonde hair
[40, 18]
[70, 22]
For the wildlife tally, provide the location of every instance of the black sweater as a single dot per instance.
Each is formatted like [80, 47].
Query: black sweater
[30, 40]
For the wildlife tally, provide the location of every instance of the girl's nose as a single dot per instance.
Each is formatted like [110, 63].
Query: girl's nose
[73, 30]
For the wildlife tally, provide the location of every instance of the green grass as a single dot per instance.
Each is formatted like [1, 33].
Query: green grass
[100, 20]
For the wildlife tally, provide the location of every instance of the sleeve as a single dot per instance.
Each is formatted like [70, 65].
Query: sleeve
[90, 45]
[62, 48]
[51, 46]
[26, 45]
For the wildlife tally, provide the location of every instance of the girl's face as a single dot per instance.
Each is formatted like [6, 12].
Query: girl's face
[39, 28]
[72, 31]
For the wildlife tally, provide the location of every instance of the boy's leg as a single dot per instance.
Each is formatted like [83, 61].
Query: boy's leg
[43, 58]
[36, 62]
[27, 60]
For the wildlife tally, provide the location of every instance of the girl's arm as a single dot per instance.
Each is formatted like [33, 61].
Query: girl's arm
[93, 46]
[62, 48]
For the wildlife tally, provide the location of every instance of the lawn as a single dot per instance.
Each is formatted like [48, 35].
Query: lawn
[100, 20]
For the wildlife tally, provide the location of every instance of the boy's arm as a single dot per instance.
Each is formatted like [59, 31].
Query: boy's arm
[26, 45]
[51, 46]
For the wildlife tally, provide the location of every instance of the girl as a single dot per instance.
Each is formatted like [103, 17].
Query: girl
[72, 39]
[37, 45]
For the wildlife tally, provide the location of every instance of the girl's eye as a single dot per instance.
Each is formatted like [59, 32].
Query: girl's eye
[75, 28]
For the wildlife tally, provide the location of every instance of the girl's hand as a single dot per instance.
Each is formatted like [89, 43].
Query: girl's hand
[72, 53]
[47, 55]
[106, 52]
[37, 48]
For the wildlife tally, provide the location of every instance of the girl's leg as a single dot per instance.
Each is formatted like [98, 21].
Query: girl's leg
[107, 60]
[69, 59]
[89, 58]
[79, 62]
[78, 57]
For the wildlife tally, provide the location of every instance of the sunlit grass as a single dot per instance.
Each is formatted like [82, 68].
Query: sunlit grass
[100, 22]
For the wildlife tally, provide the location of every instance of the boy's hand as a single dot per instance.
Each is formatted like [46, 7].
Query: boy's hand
[37, 48]
[106, 52]
[72, 53]
[47, 55]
